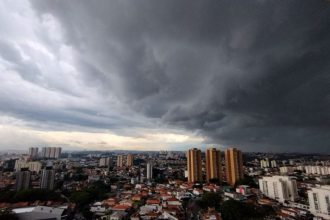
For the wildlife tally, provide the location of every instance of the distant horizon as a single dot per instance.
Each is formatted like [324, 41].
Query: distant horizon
[202, 149]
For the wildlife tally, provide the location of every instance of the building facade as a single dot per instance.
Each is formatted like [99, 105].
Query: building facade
[234, 165]
[194, 165]
[213, 164]
[149, 171]
[130, 159]
[33, 152]
[120, 161]
[51, 152]
[47, 178]
[23, 178]
[280, 188]
[319, 201]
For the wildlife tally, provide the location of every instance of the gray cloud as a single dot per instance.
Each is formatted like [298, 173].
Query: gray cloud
[247, 73]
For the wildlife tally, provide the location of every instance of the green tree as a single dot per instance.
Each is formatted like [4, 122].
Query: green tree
[229, 211]
[7, 214]
[247, 180]
[211, 200]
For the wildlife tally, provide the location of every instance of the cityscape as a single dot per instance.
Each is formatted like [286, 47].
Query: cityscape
[174, 185]
[165, 110]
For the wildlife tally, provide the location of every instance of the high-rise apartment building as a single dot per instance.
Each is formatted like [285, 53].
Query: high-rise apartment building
[194, 165]
[47, 178]
[23, 179]
[130, 159]
[149, 171]
[280, 188]
[234, 165]
[32, 165]
[273, 164]
[213, 164]
[33, 152]
[319, 201]
[120, 161]
[105, 162]
[51, 152]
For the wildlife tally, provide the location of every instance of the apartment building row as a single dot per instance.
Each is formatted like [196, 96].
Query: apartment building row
[213, 165]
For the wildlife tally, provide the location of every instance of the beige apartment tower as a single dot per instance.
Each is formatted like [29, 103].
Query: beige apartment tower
[130, 159]
[234, 165]
[120, 161]
[213, 164]
[194, 165]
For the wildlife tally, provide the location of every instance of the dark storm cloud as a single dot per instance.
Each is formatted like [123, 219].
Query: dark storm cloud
[248, 73]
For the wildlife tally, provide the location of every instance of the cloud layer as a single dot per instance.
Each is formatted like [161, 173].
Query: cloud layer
[248, 73]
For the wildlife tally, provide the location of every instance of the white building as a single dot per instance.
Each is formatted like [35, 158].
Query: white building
[47, 178]
[105, 162]
[35, 166]
[273, 163]
[33, 152]
[32, 166]
[51, 152]
[149, 171]
[319, 201]
[284, 170]
[319, 170]
[280, 188]
[264, 163]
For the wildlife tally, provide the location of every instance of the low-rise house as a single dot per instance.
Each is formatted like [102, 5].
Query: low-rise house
[118, 215]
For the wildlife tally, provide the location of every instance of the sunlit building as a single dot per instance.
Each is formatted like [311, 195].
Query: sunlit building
[130, 159]
[213, 164]
[234, 165]
[120, 161]
[194, 165]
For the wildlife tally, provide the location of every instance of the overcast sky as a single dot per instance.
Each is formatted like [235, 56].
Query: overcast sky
[151, 75]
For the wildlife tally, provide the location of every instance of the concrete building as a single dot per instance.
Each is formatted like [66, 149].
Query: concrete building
[319, 201]
[51, 152]
[130, 159]
[47, 178]
[32, 166]
[213, 164]
[318, 170]
[120, 161]
[149, 171]
[234, 165]
[105, 162]
[194, 165]
[280, 188]
[23, 178]
[273, 164]
[33, 152]
[264, 163]
[287, 169]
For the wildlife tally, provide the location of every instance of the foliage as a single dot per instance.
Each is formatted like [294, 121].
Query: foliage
[6, 214]
[29, 195]
[211, 200]
[247, 180]
[95, 191]
[229, 211]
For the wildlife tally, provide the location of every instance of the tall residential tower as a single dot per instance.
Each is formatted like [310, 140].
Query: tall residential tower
[213, 164]
[234, 165]
[194, 165]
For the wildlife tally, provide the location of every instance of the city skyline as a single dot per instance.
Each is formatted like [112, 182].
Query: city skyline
[121, 75]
